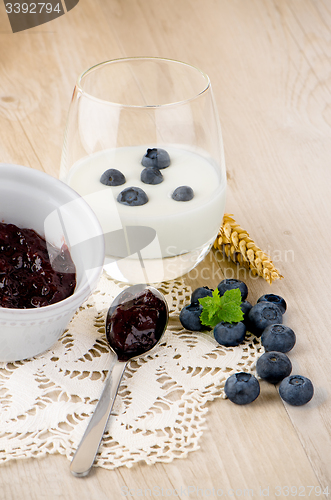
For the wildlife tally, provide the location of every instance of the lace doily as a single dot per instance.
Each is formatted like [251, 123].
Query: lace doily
[160, 410]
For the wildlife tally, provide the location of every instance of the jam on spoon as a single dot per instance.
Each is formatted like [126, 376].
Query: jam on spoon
[135, 323]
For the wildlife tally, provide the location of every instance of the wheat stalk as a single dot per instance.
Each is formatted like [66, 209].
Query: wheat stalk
[237, 245]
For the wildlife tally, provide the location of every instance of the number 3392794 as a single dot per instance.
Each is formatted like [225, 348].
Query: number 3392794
[32, 8]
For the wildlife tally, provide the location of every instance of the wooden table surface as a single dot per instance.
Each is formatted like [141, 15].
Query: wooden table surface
[269, 64]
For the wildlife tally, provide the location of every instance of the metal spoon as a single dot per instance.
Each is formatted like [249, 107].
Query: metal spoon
[85, 454]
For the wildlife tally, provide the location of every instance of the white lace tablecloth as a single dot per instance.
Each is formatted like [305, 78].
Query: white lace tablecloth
[159, 412]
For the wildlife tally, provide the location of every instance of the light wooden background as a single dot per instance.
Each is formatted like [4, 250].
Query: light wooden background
[270, 66]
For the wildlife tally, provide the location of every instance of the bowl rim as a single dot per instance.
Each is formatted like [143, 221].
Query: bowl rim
[94, 274]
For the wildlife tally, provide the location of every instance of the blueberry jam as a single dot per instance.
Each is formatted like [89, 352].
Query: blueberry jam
[135, 326]
[28, 279]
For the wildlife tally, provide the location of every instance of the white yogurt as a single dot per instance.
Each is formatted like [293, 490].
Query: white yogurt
[181, 227]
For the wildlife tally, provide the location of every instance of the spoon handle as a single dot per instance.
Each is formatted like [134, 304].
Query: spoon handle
[85, 454]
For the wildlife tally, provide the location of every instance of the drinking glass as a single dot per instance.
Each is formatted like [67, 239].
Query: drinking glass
[148, 118]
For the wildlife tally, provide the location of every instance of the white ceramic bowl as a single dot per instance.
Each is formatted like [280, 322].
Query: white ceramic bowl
[35, 200]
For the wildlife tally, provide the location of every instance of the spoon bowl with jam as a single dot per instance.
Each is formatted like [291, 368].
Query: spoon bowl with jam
[136, 322]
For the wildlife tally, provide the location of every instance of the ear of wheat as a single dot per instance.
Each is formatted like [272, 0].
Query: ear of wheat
[237, 245]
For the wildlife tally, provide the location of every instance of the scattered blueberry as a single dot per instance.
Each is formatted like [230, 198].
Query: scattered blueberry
[242, 388]
[230, 334]
[273, 366]
[262, 315]
[151, 175]
[156, 157]
[112, 177]
[275, 299]
[245, 306]
[200, 293]
[296, 390]
[230, 284]
[279, 338]
[132, 196]
[190, 317]
[183, 193]
[265, 320]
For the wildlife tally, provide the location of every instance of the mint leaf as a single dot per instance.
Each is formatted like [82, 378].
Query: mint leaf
[210, 307]
[226, 308]
[231, 313]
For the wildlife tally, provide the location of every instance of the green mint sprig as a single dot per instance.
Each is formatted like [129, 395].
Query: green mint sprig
[225, 308]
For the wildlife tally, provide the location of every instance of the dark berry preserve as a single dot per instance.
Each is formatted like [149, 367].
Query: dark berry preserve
[135, 326]
[29, 276]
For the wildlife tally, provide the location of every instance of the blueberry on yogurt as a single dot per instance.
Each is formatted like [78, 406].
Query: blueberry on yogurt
[112, 177]
[151, 175]
[183, 193]
[156, 157]
[132, 196]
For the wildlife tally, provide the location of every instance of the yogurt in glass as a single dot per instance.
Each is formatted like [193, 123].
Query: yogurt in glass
[163, 238]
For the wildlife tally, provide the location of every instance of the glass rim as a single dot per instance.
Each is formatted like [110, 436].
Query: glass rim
[141, 58]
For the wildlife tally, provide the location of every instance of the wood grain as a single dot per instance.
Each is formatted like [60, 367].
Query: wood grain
[269, 63]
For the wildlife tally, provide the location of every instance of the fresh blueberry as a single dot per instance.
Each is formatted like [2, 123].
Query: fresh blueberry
[190, 317]
[296, 390]
[132, 196]
[279, 338]
[151, 175]
[273, 366]
[245, 306]
[183, 193]
[230, 334]
[112, 177]
[275, 299]
[262, 315]
[156, 157]
[230, 284]
[200, 293]
[242, 388]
